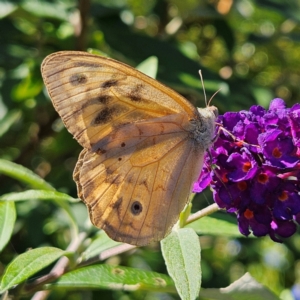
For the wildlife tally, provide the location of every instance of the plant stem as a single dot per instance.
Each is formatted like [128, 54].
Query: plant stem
[108, 253]
[203, 212]
[58, 270]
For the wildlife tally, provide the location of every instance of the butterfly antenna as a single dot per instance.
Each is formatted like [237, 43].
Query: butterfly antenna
[200, 73]
[214, 95]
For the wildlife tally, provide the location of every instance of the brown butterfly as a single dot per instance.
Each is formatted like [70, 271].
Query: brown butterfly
[143, 143]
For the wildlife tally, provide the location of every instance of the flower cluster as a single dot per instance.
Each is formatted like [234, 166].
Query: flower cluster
[254, 169]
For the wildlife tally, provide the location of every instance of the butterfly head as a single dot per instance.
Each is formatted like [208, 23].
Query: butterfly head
[209, 112]
[204, 126]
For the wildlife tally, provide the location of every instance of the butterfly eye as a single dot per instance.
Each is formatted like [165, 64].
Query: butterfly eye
[216, 112]
[136, 208]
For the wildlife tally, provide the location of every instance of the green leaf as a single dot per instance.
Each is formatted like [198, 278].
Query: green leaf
[28, 88]
[212, 226]
[210, 85]
[43, 9]
[185, 213]
[27, 264]
[74, 224]
[100, 244]
[114, 277]
[181, 251]
[97, 52]
[9, 119]
[24, 175]
[262, 96]
[39, 195]
[6, 8]
[245, 288]
[149, 66]
[60, 199]
[7, 222]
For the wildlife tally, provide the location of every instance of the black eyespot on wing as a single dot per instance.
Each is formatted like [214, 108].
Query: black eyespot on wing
[136, 208]
[109, 83]
[77, 79]
[123, 144]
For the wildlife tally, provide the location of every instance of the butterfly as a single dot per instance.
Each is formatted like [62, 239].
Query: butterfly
[143, 143]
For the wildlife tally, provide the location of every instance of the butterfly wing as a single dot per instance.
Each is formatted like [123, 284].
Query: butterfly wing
[94, 94]
[140, 157]
[137, 185]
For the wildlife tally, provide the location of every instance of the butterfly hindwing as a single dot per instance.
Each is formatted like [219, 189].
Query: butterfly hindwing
[136, 192]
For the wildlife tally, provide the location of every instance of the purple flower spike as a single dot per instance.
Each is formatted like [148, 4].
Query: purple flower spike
[294, 119]
[277, 103]
[256, 170]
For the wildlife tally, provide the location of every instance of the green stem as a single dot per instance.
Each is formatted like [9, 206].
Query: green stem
[203, 212]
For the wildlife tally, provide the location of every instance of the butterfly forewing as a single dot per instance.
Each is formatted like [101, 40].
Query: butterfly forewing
[93, 94]
[143, 143]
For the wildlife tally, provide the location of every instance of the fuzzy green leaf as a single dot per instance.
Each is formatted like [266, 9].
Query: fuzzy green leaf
[24, 175]
[245, 288]
[212, 226]
[181, 251]
[27, 264]
[7, 222]
[114, 277]
[149, 66]
[39, 195]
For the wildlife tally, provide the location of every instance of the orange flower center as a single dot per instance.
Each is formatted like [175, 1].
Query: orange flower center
[283, 196]
[239, 143]
[224, 178]
[263, 178]
[242, 185]
[247, 166]
[276, 153]
[248, 214]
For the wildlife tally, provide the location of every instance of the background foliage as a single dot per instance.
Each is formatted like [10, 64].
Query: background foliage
[250, 49]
